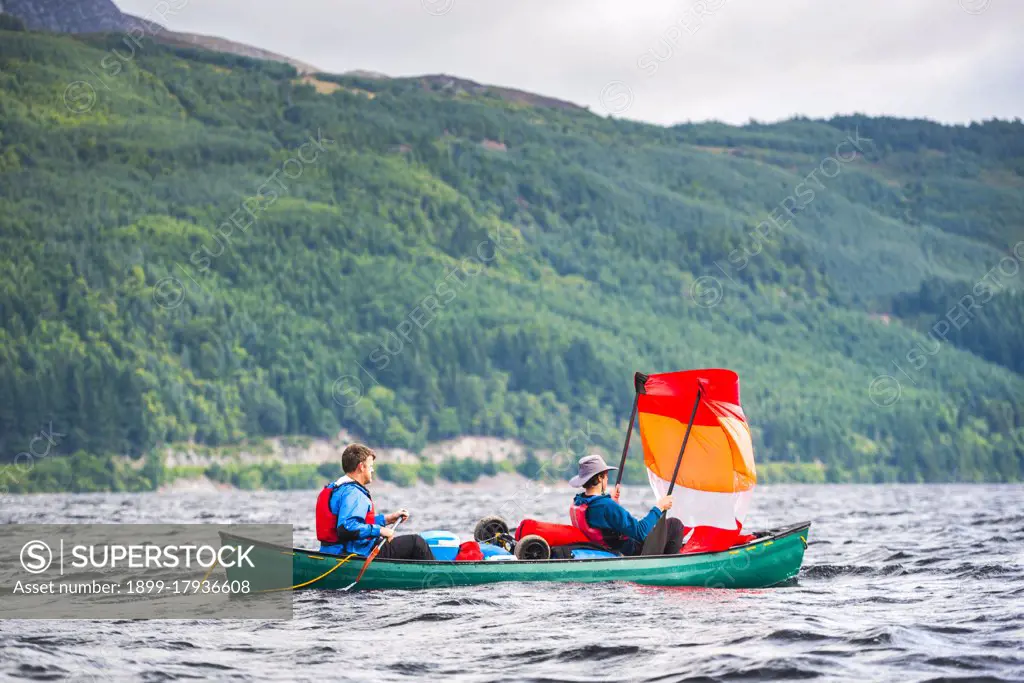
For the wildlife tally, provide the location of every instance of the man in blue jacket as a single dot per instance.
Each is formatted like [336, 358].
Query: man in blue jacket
[606, 523]
[346, 521]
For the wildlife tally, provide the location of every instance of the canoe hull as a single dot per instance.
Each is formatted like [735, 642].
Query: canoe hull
[770, 560]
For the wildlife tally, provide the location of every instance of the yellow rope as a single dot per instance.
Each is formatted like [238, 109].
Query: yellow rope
[303, 585]
[209, 571]
[290, 588]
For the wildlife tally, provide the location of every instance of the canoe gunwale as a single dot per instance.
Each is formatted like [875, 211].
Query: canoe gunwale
[771, 535]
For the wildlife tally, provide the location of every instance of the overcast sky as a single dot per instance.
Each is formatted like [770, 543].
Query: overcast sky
[663, 61]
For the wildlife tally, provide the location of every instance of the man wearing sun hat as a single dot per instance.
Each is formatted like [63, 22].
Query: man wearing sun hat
[606, 523]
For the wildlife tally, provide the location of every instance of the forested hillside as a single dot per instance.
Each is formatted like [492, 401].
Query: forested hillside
[203, 247]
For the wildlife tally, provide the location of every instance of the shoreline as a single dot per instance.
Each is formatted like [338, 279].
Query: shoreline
[500, 481]
[304, 463]
[207, 486]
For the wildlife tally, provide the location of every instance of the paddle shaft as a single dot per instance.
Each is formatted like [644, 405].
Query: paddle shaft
[373, 553]
[686, 437]
[629, 433]
[654, 544]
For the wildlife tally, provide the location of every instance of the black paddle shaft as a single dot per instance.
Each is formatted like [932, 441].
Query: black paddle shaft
[686, 437]
[639, 384]
[629, 433]
[655, 542]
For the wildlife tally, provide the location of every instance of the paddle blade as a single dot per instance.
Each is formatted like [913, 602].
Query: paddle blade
[655, 542]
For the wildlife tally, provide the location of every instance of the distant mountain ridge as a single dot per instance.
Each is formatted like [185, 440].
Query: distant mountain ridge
[103, 16]
[452, 86]
[74, 16]
[231, 47]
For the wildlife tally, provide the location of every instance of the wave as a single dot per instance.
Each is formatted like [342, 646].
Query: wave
[425, 617]
[412, 668]
[827, 571]
[597, 652]
[791, 635]
[878, 636]
[459, 602]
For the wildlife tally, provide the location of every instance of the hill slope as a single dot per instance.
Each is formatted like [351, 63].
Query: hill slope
[203, 246]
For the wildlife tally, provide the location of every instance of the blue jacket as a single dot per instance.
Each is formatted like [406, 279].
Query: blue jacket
[351, 502]
[605, 513]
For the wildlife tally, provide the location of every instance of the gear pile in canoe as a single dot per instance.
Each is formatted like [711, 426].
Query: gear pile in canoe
[695, 438]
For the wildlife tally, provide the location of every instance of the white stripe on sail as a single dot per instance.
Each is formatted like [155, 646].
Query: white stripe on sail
[704, 508]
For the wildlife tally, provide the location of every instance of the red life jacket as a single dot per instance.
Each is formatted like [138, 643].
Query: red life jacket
[578, 517]
[327, 521]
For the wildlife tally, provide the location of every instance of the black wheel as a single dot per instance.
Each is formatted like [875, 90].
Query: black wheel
[489, 528]
[533, 547]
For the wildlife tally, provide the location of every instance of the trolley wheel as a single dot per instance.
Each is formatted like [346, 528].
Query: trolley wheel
[489, 528]
[533, 547]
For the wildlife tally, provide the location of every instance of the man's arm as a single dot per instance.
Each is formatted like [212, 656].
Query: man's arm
[352, 517]
[393, 517]
[611, 515]
[357, 525]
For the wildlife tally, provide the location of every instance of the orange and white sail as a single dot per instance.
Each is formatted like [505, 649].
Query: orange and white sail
[716, 479]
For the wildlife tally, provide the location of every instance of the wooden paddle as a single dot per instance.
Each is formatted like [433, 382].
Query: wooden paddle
[655, 542]
[373, 554]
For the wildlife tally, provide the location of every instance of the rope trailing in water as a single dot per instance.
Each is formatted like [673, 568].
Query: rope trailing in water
[312, 581]
[209, 571]
[289, 588]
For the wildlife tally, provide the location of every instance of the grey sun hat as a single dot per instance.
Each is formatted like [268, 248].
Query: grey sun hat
[589, 466]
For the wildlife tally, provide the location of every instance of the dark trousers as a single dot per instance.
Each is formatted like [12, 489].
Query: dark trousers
[675, 536]
[408, 547]
[673, 540]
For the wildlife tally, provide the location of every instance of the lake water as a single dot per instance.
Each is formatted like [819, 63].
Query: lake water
[899, 583]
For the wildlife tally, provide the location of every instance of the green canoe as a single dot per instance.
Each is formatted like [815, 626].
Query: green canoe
[772, 558]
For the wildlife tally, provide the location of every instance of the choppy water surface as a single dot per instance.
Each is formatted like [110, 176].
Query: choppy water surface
[908, 583]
